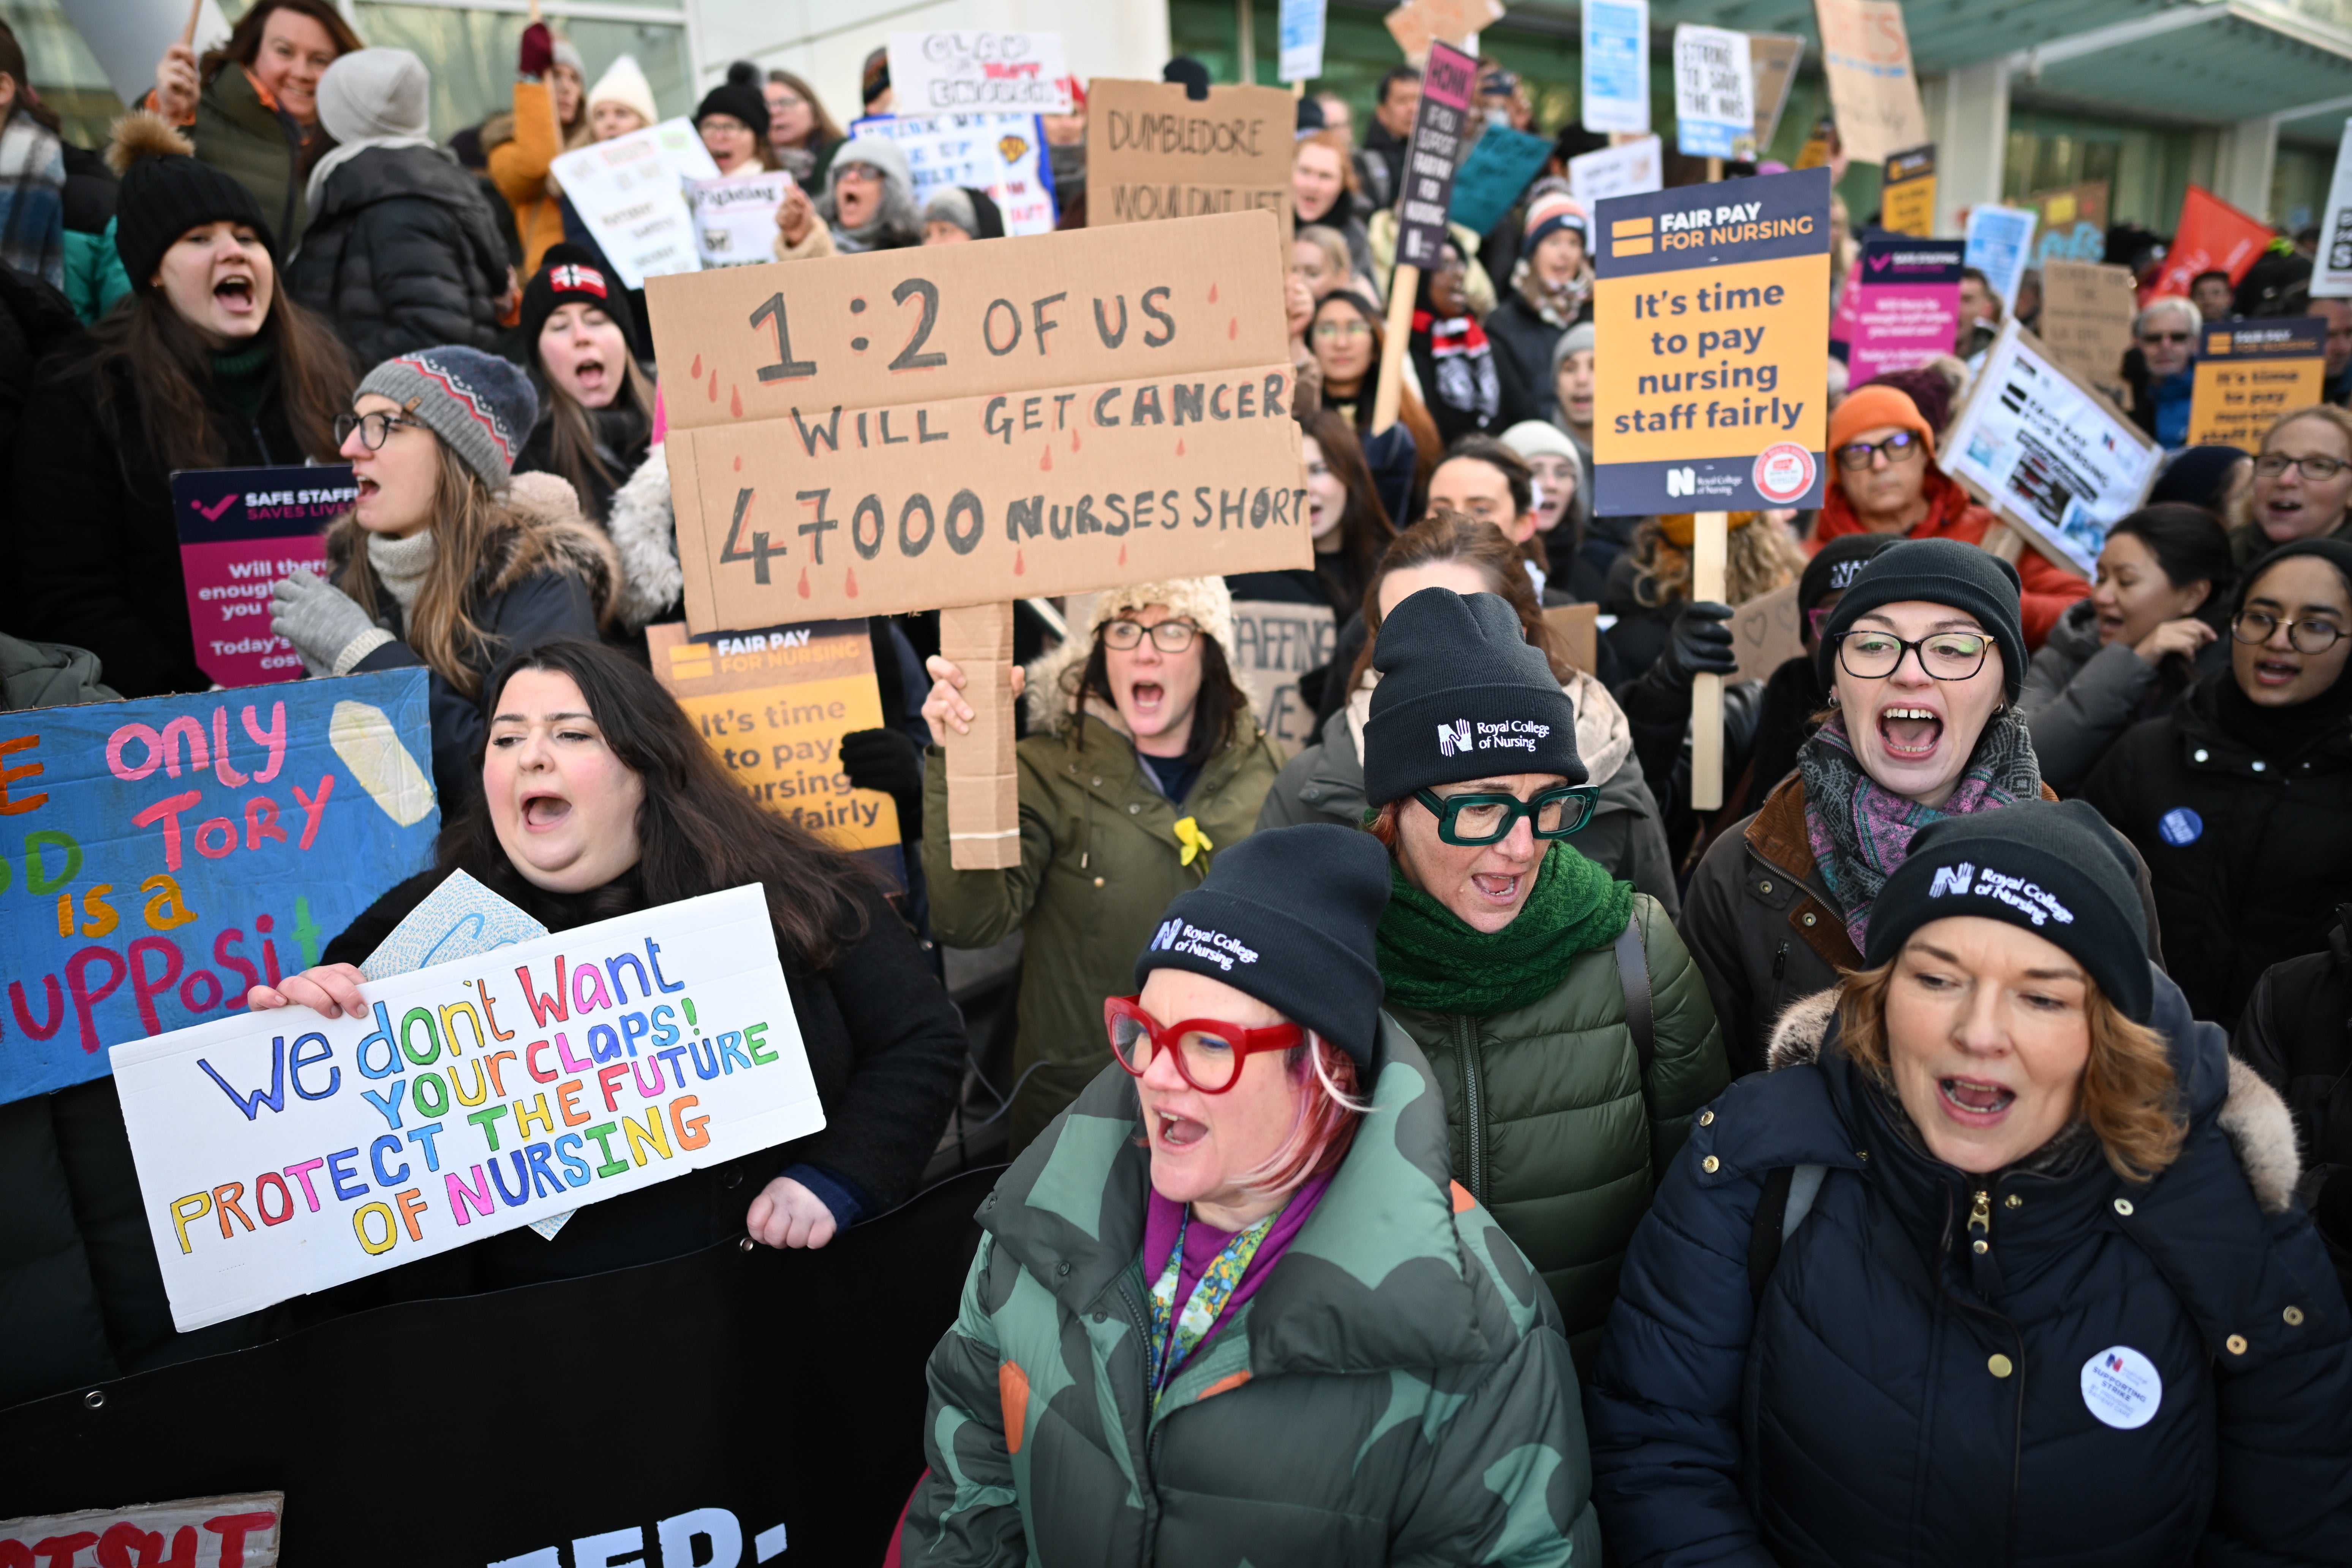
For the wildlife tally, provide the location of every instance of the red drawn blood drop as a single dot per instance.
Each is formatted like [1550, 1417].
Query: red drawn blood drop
[694, 371]
[1233, 328]
[714, 387]
[804, 587]
[1212, 293]
[849, 582]
[1020, 564]
[739, 462]
[1047, 461]
[1122, 554]
[1074, 440]
[1179, 446]
[735, 402]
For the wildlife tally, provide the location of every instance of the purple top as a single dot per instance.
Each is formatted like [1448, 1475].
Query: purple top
[1203, 1241]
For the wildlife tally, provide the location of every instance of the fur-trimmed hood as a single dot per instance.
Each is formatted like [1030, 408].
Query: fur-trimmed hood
[2254, 1119]
[545, 532]
[645, 537]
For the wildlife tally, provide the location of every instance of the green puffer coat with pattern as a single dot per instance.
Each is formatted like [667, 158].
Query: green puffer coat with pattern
[1554, 1125]
[1396, 1392]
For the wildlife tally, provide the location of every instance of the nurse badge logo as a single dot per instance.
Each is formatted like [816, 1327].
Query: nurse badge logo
[1783, 472]
[2122, 1388]
[1453, 738]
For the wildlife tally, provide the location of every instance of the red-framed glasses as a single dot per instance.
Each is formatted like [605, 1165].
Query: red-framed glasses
[1208, 1051]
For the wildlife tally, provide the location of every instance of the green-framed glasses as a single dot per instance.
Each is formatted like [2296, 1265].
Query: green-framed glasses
[1479, 816]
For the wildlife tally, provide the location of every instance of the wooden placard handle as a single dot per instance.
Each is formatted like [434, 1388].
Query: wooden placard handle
[1710, 537]
[188, 33]
[1402, 285]
[984, 791]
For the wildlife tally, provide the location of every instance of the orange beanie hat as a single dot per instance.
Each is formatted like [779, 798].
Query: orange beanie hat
[1869, 408]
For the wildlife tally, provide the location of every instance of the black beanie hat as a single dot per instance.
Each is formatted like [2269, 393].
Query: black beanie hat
[1288, 915]
[741, 96]
[1934, 572]
[2196, 474]
[2335, 551]
[573, 275]
[166, 192]
[2056, 870]
[1834, 565]
[1463, 695]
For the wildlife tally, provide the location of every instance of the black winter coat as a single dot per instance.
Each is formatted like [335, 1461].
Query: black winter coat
[95, 545]
[1523, 342]
[2250, 854]
[402, 254]
[1889, 1395]
[2296, 1031]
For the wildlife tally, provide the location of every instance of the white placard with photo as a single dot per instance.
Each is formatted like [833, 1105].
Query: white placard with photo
[1630, 170]
[1003, 155]
[735, 216]
[630, 192]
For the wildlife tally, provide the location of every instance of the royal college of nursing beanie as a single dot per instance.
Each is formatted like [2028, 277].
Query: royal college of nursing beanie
[1463, 695]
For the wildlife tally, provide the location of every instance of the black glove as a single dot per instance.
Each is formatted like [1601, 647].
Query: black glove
[888, 761]
[1700, 643]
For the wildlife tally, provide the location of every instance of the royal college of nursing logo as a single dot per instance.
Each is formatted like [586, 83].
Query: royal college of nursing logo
[1681, 482]
[1453, 738]
[1167, 937]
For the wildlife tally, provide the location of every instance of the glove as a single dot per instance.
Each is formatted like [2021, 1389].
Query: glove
[319, 619]
[888, 761]
[1700, 643]
[537, 51]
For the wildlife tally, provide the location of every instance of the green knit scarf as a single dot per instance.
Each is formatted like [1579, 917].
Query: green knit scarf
[244, 376]
[1434, 962]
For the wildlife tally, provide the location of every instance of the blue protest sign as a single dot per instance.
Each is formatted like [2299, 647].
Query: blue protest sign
[158, 858]
[1494, 175]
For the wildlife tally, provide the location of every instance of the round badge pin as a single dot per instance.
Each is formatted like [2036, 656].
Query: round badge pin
[2122, 1388]
[1783, 472]
[2180, 827]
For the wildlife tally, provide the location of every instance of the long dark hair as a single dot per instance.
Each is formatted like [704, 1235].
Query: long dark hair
[1365, 527]
[1410, 412]
[825, 131]
[12, 65]
[698, 831]
[2190, 546]
[1216, 711]
[572, 451]
[244, 42]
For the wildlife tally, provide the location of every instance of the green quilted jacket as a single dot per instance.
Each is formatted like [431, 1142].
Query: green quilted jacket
[1397, 1391]
[1555, 1128]
[259, 147]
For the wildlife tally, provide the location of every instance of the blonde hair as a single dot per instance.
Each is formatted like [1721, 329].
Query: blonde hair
[1758, 557]
[2130, 1094]
[2241, 505]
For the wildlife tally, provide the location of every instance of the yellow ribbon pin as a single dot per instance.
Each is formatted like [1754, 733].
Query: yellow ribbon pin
[1195, 842]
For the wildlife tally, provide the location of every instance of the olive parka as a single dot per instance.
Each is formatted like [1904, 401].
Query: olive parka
[1396, 1394]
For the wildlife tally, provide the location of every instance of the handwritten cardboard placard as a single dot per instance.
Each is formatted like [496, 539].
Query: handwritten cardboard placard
[630, 192]
[1002, 155]
[1713, 314]
[240, 531]
[1578, 626]
[1866, 55]
[967, 423]
[280, 1153]
[163, 857]
[1907, 202]
[2250, 372]
[964, 70]
[1152, 153]
[2086, 318]
[1715, 93]
[1417, 24]
[1625, 170]
[197, 1533]
[1616, 66]
[1273, 643]
[773, 704]
[735, 216]
[1768, 631]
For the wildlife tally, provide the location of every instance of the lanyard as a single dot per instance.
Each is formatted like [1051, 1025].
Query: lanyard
[1172, 1343]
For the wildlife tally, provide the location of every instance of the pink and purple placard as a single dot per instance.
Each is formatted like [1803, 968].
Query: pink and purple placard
[240, 531]
[1901, 306]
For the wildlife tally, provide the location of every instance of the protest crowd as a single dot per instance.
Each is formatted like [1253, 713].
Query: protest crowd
[1914, 1125]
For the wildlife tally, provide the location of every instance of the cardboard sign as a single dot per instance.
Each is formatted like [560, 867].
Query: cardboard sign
[1003, 155]
[2086, 318]
[1999, 246]
[2073, 224]
[969, 69]
[774, 705]
[2250, 372]
[1299, 28]
[1714, 94]
[1578, 626]
[1494, 176]
[1447, 85]
[1417, 24]
[630, 192]
[735, 216]
[200, 1532]
[240, 531]
[597, 1061]
[1907, 202]
[1626, 170]
[1874, 92]
[1713, 314]
[1080, 410]
[2214, 237]
[2044, 451]
[1768, 631]
[1905, 304]
[1152, 152]
[1273, 643]
[165, 856]
[1773, 59]
[1616, 66]
[2331, 274]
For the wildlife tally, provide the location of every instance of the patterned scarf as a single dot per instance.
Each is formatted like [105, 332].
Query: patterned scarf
[1465, 361]
[1860, 830]
[32, 199]
[1175, 1335]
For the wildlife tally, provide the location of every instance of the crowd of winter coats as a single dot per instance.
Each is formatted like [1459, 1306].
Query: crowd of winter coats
[274, 263]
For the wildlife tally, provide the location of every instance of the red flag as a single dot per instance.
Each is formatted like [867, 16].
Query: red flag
[2214, 237]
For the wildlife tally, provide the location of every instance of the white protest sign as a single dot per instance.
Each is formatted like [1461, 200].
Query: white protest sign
[2331, 275]
[735, 216]
[1999, 246]
[979, 68]
[1629, 169]
[1714, 94]
[1003, 155]
[2047, 453]
[630, 193]
[1300, 29]
[281, 1153]
[237, 1532]
[1616, 65]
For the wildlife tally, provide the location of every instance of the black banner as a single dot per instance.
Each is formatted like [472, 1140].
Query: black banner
[707, 1412]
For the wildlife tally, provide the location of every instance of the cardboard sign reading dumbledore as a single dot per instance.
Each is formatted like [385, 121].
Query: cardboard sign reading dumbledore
[1713, 313]
[2250, 372]
[1152, 152]
[969, 424]
[158, 858]
[240, 531]
[282, 1153]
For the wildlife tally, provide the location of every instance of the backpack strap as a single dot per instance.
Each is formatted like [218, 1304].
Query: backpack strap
[1633, 975]
[1788, 1195]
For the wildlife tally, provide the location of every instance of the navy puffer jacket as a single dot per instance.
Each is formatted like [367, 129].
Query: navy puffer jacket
[1897, 1398]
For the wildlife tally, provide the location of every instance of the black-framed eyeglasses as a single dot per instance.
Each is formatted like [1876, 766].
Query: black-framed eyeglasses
[2255, 627]
[374, 429]
[2271, 465]
[1947, 656]
[1168, 636]
[2164, 337]
[1479, 817]
[1899, 447]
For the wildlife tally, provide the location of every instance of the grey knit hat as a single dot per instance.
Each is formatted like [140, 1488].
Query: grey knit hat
[1580, 337]
[481, 405]
[373, 93]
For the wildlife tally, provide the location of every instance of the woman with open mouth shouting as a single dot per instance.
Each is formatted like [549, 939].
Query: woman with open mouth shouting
[2301, 485]
[1566, 1024]
[1922, 659]
[1231, 1307]
[1143, 764]
[2239, 797]
[1999, 1263]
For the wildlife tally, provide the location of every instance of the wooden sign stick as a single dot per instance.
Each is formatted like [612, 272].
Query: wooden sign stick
[1403, 287]
[984, 790]
[188, 33]
[1711, 539]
